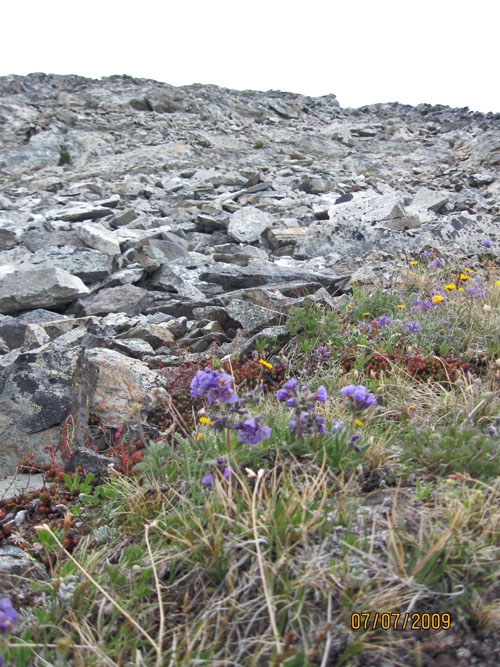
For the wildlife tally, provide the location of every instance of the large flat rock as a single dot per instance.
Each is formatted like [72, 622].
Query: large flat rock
[38, 288]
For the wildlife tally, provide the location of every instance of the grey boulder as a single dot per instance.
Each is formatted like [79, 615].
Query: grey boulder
[36, 288]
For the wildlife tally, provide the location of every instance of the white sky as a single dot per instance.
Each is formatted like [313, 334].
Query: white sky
[363, 51]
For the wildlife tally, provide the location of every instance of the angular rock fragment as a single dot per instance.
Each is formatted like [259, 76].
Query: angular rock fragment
[90, 462]
[87, 264]
[98, 237]
[37, 394]
[123, 382]
[429, 199]
[247, 224]
[36, 288]
[250, 316]
[126, 299]
[83, 212]
[153, 253]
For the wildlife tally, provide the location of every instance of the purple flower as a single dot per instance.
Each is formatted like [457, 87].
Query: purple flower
[222, 394]
[321, 394]
[476, 292]
[227, 473]
[337, 426]
[319, 423]
[323, 352]
[412, 326]
[8, 615]
[203, 381]
[486, 243]
[293, 422]
[218, 386]
[251, 431]
[290, 384]
[352, 441]
[290, 402]
[309, 423]
[383, 321]
[425, 254]
[349, 390]
[282, 394]
[359, 396]
[439, 261]
[422, 305]
[208, 480]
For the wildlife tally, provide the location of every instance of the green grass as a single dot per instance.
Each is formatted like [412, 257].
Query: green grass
[268, 566]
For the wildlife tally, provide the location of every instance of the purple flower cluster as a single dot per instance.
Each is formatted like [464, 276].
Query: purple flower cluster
[290, 395]
[8, 615]
[359, 397]
[216, 386]
[476, 292]
[251, 431]
[383, 321]
[439, 261]
[338, 426]
[304, 419]
[323, 353]
[422, 304]
[437, 291]
[208, 479]
[309, 423]
[425, 254]
[412, 326]
[486, 243]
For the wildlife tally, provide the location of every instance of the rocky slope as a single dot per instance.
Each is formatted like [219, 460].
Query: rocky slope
[140, 223]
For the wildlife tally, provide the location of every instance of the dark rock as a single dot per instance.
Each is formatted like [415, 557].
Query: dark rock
[36, 396]
[91, 463]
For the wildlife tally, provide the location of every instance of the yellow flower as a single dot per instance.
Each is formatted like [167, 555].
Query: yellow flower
[366, 314]
[450, 286]
[460, 289]
[441, 331]
[401, 305]
[464, 277]
[497, 283]
[358, 422]
[206, 420]
[468, 270]
[413, 263]
[349, 305]
[265, 363]
[199, 436]
[412, 407]
[437, 298]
